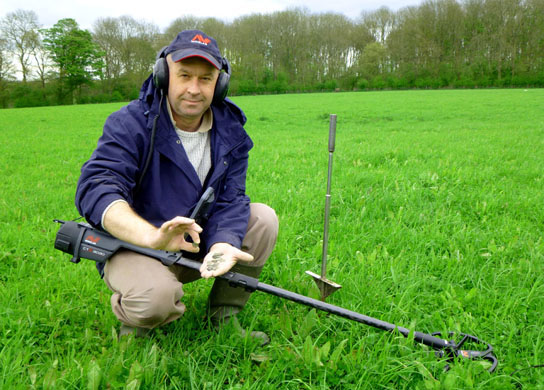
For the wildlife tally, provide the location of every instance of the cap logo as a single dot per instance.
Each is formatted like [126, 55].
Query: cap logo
[198, 38]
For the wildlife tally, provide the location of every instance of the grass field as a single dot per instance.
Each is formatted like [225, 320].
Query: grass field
[437, 224]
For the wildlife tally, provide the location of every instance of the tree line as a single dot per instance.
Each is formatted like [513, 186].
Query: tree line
[437, 44]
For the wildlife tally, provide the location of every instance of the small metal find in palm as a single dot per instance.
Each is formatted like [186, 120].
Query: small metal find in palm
[326, 286]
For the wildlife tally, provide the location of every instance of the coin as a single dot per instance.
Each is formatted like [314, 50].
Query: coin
[212, 265]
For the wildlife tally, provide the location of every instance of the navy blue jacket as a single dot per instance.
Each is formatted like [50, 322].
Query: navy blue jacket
[171, 186]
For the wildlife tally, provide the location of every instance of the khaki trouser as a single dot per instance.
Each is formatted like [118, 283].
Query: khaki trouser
[148, 294]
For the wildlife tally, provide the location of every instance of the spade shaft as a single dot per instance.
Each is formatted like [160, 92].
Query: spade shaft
[332, 138]
[325, 286]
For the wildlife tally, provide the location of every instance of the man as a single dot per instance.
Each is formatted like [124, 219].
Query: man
[151, 166]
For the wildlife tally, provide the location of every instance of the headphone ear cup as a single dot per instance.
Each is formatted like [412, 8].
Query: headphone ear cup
[161, 75]
[221, 87]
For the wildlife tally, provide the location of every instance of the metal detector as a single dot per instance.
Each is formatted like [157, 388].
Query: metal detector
[82, 241]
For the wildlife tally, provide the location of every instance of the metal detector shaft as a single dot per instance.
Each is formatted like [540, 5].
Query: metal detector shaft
[83, 241]
[422, 338]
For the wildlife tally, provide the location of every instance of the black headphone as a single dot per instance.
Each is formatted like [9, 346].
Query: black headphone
[161, 77]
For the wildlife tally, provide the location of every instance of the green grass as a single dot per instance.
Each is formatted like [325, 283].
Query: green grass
[437, 224]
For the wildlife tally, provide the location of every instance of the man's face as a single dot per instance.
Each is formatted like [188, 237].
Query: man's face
[190, 90]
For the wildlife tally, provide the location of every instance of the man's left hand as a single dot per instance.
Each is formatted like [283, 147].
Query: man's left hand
[221, 258]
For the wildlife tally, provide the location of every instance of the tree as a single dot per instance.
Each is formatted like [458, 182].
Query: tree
[211, 26]
[129, 48]
[6, 71]
[249, 49]
[41, 59]
[184, 23]
[532, 54]
[20, 28]
[6, 67]
[138, 48]
[77, 57]
[372, 60]
[335, 49]
[379, 23]
[107, 34]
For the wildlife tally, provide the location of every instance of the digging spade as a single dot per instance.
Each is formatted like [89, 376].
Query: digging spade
[326, 286]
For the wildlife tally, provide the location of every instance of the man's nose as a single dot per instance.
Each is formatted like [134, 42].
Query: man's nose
[193, 87]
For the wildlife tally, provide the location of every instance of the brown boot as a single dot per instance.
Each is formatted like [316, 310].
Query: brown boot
[219, 323]
[225, 302]
[137, 332]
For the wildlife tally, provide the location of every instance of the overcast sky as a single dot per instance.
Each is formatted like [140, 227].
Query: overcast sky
[163, 12]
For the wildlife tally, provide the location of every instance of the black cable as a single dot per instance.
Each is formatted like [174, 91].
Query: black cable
[151, 145]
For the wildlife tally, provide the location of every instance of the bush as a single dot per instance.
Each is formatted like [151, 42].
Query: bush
[348, 83]
[24, 95]
[483, 81]
[378, 82]
[278, 85]
[464, 82]
[4, 95]
[427, 82]
[395, 83]
[362, 83]
[326, 86]
[116, 97]
[528, 80]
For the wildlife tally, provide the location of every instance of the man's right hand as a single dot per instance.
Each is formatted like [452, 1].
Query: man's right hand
[171, 235]
[122, 222]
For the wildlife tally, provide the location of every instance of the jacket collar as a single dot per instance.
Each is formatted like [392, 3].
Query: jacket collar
[231, 117]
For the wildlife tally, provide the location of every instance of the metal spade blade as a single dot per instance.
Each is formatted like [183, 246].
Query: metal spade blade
[326, 287]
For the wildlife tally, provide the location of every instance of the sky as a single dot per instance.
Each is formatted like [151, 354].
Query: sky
[163, 12]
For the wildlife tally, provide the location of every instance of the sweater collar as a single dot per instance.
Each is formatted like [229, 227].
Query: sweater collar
[205, 124]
